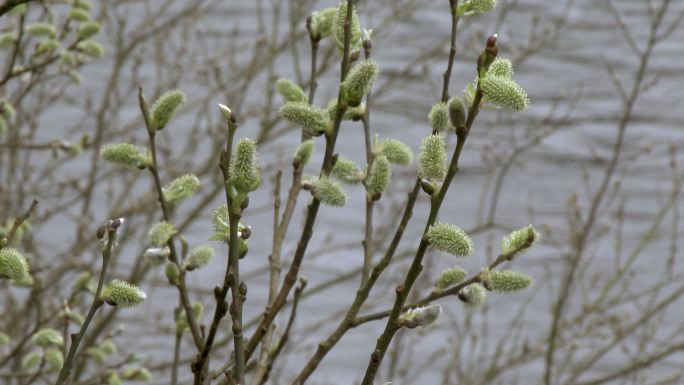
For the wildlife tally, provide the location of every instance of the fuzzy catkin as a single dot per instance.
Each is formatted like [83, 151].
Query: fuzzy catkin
[312, 119]
[379, 176]
[122, 294]
[244, 171]
[433, 158]
[165, 108]
[504, 92]
[396, 151]
[507, 281]
[181, 188]
[439, 117]
[451, 239]
[359, 81]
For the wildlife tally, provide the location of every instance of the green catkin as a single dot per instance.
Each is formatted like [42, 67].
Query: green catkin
[47, 45]
[113, 379]
[41, 29]
[359, 81]
[97, 354]
[13, 265]
[451, 239]
[137, 374]
[439, 117]
[347, 171]
[482, 6]
[160, 233]
[4, 339]
[244, 171]
[457, 112]
[312, 119]
[108, 347]
[54, 358]
[432, 161]
[450, 277]
[165, 108]
[181, 188]
[354, 30]
[182, 319]
[7, 39]
[290, 91]
[122, 294]
[396, 151]
[123, 154]
[501, 67]
[323, 22]
[420, 316]
[172, 272]
[220, 219]
[79, 15]
[302, 155]
[88, 30]
[31, 360]
[519, 240]
[199, 257]
[505, 92]
[351, 113]
[507, 281]
[45, 338]
[329, 192]
[379, 176]
[474, 295]
[91, 48]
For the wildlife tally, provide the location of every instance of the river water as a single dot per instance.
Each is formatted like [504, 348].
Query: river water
[572, 95]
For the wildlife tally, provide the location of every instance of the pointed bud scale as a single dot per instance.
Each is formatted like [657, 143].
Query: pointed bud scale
[439, 117]
[13, 265]
[312, 119]
[244, 167]
[359, 81]
[457, 112]
[507, 281]
[396, 151]
[303, 153]
[504, 92]
[451, 239]
[181, 188]
[226, 112]
[47, 337]
[432, 161]
[379, 176]
[165, 108]
[473, 295]
[347, 171]
[122, 294]
[450, 277]
[160, 233]
[420, 316]
[123, 154]
[329, 192]
[199, 257]
[519, 240]
[290, 91]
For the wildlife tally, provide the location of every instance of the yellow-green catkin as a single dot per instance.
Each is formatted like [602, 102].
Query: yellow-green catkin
[329, 192]
[379, 175]
[244, 167]
[457, 112]
[290, 91]
[420, 316]
[13, 265]
[123, 154]
[501, 67]
[91, 48]
[45, 338]
[396, 151]
[199, 257]
[41, 29]
[181, 188]
[519, 240]
[507, 281]
[88, 30]
[439, 117]
[354, 30]
[137, 374]
[165, 108]
[323, 23]
[473, 295]
[359, 81]
[303, 153]
[504, 92]
[432, 161]
[312, 119]
[122, 294]
[160, 233]
[451, 239]
[450, 277]
[347, 171]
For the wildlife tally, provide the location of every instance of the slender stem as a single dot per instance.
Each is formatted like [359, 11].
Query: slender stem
[452, 49]
[96, 304]
[370, 200]
[166, 212]
[18, 222]
[312, 210]
[176, 357]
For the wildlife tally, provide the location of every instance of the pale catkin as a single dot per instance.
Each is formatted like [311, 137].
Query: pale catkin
[451, 239]
[432, 161]
[379, 176]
